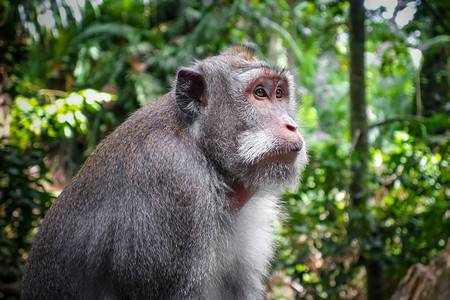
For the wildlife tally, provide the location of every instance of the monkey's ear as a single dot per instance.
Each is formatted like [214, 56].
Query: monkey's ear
[190, 91]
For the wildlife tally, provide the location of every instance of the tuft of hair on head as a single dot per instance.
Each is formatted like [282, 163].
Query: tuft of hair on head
[244, 52]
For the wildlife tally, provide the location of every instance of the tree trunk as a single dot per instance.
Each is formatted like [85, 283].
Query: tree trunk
[427, 282]
[358, 116]
[358, 131]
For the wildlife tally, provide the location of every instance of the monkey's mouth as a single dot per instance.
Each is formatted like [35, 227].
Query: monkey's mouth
[286, 153]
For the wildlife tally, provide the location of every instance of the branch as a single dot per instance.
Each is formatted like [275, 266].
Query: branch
[400, 6]
[335, 24]
[398, 119]
[52, 93]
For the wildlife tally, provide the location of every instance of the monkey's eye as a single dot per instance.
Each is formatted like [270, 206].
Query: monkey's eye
[278, 93]
[260, 92]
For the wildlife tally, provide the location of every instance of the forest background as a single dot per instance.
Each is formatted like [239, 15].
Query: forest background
[73, 70]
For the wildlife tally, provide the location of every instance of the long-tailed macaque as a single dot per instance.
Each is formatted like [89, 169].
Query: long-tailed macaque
[178, 202]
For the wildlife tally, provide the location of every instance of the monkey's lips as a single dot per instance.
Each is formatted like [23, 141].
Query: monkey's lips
[283, 154]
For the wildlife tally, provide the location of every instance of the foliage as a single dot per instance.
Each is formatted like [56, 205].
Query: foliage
[23, 203]
[411, 184]
[407, 220]
[46, 117]
[57, 83]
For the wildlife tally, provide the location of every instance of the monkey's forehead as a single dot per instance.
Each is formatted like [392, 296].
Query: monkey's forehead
[249, 73]
[244, 57]
[262, 67]
[234, 66]
[245, 61]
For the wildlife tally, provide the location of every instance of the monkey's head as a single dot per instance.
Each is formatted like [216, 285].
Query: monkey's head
[242, 112]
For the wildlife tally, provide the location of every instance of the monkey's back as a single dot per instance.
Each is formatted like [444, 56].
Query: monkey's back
[109, 236]
[178, 202]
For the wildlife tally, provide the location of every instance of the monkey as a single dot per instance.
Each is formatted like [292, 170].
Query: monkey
[179, 201]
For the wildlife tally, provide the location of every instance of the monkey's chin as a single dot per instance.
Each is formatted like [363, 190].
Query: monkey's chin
[283, 157]
[276, 173]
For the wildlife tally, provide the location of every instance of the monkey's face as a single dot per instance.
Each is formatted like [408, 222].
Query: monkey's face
[245, 119]
[270, 150]
[256, 138]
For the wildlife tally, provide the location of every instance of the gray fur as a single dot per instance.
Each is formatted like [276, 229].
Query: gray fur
[149, 214]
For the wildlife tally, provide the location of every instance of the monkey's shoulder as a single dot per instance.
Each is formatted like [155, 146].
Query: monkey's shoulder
[151, 130]
[149, 148]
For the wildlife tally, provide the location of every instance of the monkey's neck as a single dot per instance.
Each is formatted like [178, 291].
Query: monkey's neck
[239, 195]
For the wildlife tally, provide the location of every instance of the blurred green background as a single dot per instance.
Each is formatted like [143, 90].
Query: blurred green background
[73, 70]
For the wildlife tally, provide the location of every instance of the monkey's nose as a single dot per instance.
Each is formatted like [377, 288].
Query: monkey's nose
[291, 127]
[293, 136]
